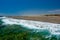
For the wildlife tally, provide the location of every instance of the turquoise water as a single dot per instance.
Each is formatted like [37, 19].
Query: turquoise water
[18, 32]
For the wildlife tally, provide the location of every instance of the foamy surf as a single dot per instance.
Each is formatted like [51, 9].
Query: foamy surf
[53, 28]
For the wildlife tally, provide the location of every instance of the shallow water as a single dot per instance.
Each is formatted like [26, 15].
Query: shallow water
[33, 28]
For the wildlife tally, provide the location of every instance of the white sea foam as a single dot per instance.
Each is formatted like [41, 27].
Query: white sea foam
[53, 28]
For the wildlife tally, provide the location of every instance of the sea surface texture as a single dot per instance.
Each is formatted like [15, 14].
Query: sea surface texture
[48, 30]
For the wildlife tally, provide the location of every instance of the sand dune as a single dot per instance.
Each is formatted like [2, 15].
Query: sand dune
[52, 19]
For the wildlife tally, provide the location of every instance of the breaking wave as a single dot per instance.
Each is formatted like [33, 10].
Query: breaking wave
[43, 28]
